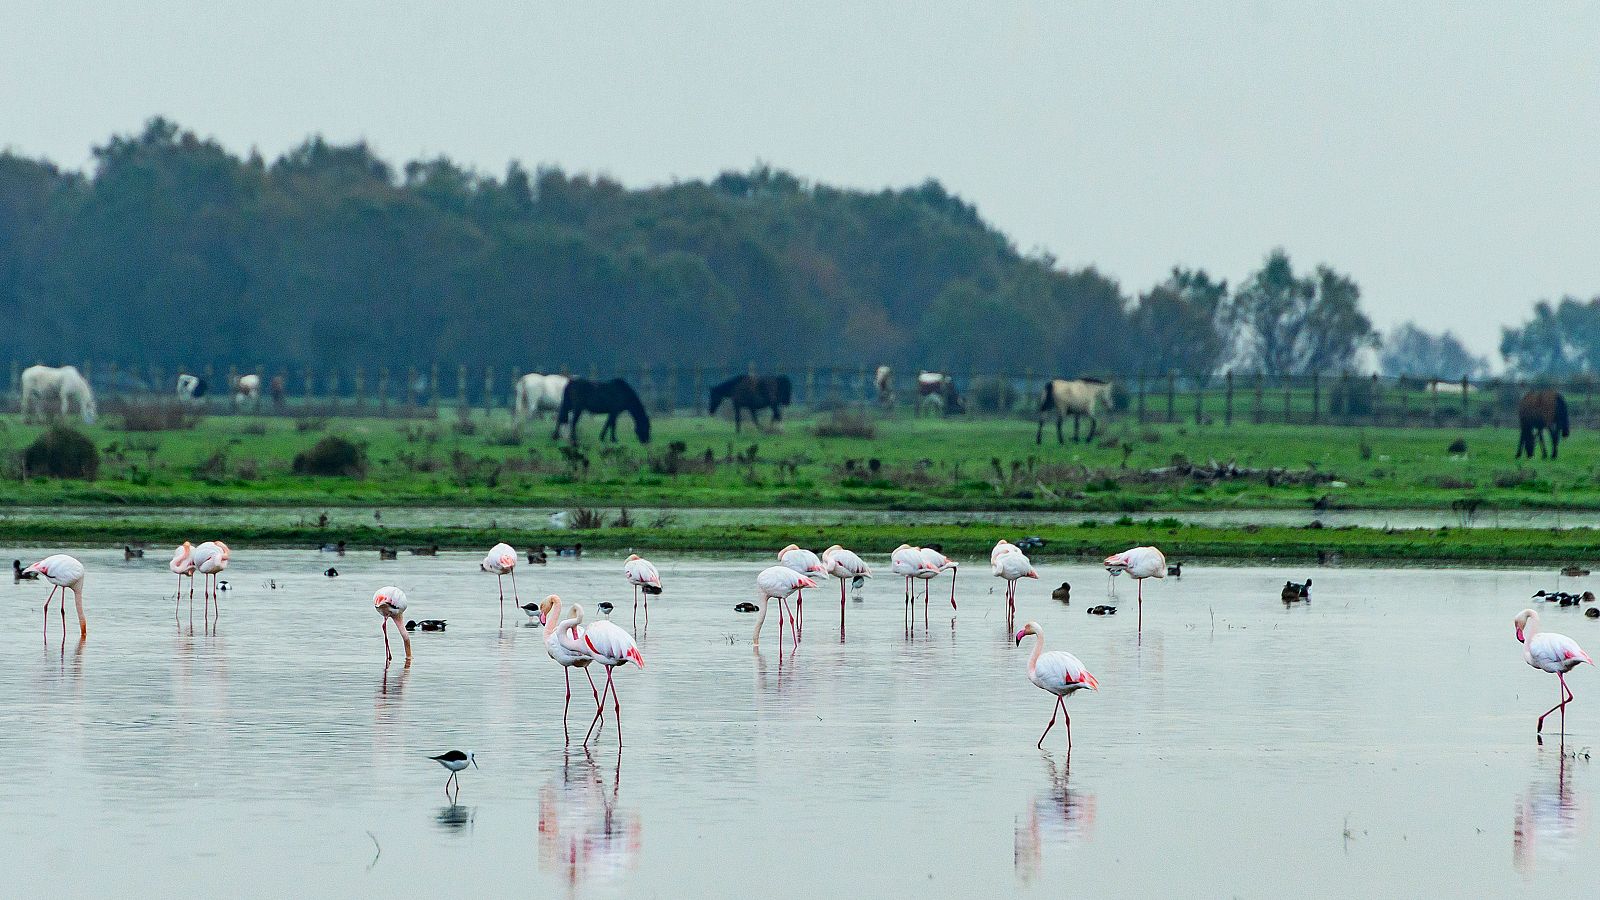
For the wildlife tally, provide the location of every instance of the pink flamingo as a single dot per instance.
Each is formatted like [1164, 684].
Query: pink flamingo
[1058, 672]
[183, 564]
[390, 602]
[806, 563]
[1553, 653]
[609, 646]
[65, 573]
[778, 582]
[502, 561]
[1012, 566]
[210, 558]
[563, 640]
[845, 566]
[1001, 546]
[1141, 563]
[641, 574]
[940, 564]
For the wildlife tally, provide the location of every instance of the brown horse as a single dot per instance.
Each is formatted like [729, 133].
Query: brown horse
[753, 392]
[1538, 412]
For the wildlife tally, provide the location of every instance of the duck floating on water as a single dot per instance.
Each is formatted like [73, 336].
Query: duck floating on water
[574, 551]
[132, 552]
[1032, 542]
[745, 607]
[537, 557]
[332, 572]
[1564, 598]
[425, 625]
[1592, 613]
[425, 551]
[333, 548]
[1574, 572]
[1295, 592]
[17, 574]
[1062, 594]
[1102, 610]
[388, 553]
[1175, 570]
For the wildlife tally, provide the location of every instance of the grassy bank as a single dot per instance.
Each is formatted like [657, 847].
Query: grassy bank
[893, 463]
[971, 541]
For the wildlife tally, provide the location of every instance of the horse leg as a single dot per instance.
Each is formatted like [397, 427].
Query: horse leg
[1092, 423]
[1076, 421]
[1543, 454]
[738, 420]
[1038, 437]
[1555, 442]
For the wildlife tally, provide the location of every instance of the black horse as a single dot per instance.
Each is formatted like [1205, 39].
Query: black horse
[753, 392]
[1542, 411]
[613, 398]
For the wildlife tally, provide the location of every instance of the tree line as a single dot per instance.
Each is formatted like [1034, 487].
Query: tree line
[173, 251]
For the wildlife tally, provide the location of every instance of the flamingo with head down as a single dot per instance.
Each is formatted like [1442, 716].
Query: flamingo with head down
[806, 563]
[390, 602]
[1141, 563]
[778, 582]
[183, 564]
[210, 558]
[641, 574]
[502, 561]
[1011, 566]
[65, 573]
[845, 566]
[609, 646]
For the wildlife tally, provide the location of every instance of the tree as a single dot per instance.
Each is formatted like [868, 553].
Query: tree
[1559, 340]
[1291, 325]
[1408, 350]
[1175, 325]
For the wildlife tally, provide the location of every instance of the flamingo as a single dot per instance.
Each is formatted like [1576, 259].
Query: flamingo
[778, 582]
[641, 574]
[209, 559]
[845, 566]
[1140, 563]
[806, 563]
[1553, 653]
[557, 632]
[183, 564]
[1012, 566]
[502, 561]
[609, 646]
[65, 573]
[907, 562]
[390, 602]
[1058, 672]
[940, 564]
[1001, 547]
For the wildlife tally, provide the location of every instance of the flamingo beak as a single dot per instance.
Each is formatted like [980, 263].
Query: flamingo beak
[1019, 638]
[1519, 635]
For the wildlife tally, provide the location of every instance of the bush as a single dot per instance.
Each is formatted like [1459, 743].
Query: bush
[332, 456]
[992, 394]
[62, 452]
[155, 415]
[841, 424]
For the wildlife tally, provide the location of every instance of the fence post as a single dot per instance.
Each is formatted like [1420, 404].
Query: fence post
[1141, 398]
[1465, 407]
[1172, 390]
[488, 389]
[361, 389]
[697, 387]
[1288, 387]
[433, 387]
[1342, 396]
[233, 377]
[1433, 401]
[333, 388]
[308, 390]
[1258, 409]
[1316, 397]
[672, 390]
[408, 391]
[383, 391]
[1199, 405]
[461, 389]
[1377, 398]
[1227, 399]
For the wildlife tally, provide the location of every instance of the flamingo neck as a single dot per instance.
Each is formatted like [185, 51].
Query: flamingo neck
[1038, 650]
[552, 622]
[760, 620]
[1530, 629]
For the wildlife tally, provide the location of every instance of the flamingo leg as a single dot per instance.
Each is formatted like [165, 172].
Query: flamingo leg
[1052, 724]
[386, 654]
[953, 574]
[600, 707]
[1062, 701]
[568, 670]
[616, 707]
[515, 597]
[1140, 582]
[841, 608]
[501, 579]
[1565, 694]
[592, 688]
[47, 599]
[800, 609]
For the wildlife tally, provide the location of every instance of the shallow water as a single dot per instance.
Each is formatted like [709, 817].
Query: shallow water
[1377, 742]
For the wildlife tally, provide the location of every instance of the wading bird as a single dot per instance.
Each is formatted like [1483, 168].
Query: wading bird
[642, 575]
[64, 573]
[210, 558]
[563, 640]
[390, 602]
[1553, 653]
[183, 564]
[777, 583]
[502, 561]
[1141, 563]
[845, 566]
[1058, 672]
[609, 646]
[806, 563]
[1012, 566]
[940, 564]
[455, 761]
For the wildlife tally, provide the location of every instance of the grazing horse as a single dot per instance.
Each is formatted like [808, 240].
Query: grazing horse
[613, 398]
[537, 392]
[246, 387]
[1538, 412]
[882, 380]
[939, 390]
[753, 392]
[66, 383]
[1076, 398]
[191, 387]
[277, 388]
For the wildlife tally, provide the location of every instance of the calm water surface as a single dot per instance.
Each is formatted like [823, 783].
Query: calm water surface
[1378, 742]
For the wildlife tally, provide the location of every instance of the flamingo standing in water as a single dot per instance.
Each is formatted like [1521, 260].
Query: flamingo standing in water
[1553, 653]
[1001, 546]
[907, 562]
[502, 561]
[1011, 566]
[641, 574]
[183, 564]
[845, 566]
[778, 582]
[1140, 563]
[609, 646]
[210, 558]
[1058, 672]
[563, 639]
[806, 563]
[64, 573]
[390, 602]
[940, 564]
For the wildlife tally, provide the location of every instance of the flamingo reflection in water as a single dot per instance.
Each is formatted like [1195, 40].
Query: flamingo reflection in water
[585, 836]
[1058, 816]
[1550, 822]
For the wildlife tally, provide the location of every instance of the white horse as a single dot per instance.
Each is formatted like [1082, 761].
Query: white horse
[1076, 398]
[247, 387]
[40, 383]
[936, 392]
[191, 387]
[883, 379]
[537, 393]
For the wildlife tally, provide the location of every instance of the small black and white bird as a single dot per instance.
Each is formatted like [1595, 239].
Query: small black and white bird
[332, 572]
[1102, 610]
[532, 609]
[388, 553]
[17, 574]
[425, 625]
[606, 607]
[745, 607]
[224, 586]
[455, 761]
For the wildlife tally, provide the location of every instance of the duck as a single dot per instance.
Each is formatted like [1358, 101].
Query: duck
[388, 553]
[606, 607]
[1574, 572]
[1062, 594]
[132, 552]
[1592, 612]
[748, 607]
[1102, 610]
[332, 548]
[575, 550]
[425, 625]
[1032, 542]
[1293, 592]
[537, 557]
[1175, 570]
[224, 586]
[332, 572]
[17, 574]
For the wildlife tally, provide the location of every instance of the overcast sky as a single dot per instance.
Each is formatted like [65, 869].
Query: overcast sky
[1444, 154]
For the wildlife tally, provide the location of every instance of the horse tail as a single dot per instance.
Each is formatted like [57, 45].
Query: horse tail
[1049, 399]
[785, 390]
[1561, 416]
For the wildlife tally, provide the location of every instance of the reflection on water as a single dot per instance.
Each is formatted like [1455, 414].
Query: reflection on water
[585, 835]
[455, 818]
[1057, 818]
[1550, 821]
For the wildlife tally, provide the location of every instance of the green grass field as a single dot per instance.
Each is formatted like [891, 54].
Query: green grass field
[956, 463]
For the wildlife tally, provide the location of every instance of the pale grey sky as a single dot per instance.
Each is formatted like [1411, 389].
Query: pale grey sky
[1442, 153]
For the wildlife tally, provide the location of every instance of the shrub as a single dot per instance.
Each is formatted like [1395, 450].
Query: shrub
[841, 424]
[304, 424]
[62, 452]
[332, 456]
[155, 415]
